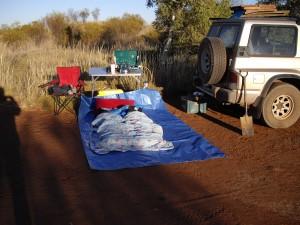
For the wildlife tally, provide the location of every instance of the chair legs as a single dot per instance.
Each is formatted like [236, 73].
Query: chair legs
[62, 103]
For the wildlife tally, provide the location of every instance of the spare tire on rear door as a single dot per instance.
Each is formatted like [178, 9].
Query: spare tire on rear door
[212, 60]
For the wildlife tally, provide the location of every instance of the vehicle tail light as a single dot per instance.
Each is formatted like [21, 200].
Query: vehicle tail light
[233, 77]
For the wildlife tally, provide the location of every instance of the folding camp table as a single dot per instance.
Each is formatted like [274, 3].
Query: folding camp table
[97, 72]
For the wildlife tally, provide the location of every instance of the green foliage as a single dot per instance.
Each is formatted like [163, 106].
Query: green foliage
[292, 5]
[280, 4]
[191, 20]
[150, 36]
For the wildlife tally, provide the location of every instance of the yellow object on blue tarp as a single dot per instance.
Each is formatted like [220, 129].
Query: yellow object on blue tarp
[110, 92]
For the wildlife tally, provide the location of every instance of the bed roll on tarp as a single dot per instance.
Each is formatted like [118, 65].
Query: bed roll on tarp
[188, 145]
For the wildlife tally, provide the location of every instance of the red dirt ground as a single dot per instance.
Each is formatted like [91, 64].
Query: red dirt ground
[257, 183]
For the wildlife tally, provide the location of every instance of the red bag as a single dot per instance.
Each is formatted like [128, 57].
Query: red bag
[112, 103]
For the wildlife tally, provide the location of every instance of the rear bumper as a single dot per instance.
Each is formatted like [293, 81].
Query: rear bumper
[228, 95]
[221, 94]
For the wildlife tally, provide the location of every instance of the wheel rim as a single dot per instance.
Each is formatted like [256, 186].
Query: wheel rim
[282, 107]
[205, 61]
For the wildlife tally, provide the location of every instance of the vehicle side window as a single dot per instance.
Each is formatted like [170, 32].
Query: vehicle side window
[229, 35]
[214, 31]
[270, 40]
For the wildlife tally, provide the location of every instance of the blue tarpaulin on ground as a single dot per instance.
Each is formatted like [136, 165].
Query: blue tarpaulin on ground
[188, 145]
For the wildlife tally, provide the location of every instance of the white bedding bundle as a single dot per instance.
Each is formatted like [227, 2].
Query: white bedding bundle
[133, 132]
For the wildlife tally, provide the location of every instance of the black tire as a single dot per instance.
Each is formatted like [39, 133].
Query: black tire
[212, 60]
[281, 106]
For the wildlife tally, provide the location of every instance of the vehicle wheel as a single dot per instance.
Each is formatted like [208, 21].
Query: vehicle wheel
[281, 107]
[212, 60]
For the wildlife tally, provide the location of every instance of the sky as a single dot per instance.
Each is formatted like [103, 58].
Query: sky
[26, 11]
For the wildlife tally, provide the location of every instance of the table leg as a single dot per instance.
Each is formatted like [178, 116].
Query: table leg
[93, 86]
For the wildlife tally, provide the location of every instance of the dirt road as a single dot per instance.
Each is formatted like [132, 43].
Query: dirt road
[257, 183]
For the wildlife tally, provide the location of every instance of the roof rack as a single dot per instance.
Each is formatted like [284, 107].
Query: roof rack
[258, 10]
[217, 18]
[277, 18]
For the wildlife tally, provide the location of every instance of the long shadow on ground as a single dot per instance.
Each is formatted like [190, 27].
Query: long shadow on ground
[10, 159]
[232, 111]
[64, 190]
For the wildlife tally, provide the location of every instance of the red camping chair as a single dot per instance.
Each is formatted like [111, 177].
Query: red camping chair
[66, 88]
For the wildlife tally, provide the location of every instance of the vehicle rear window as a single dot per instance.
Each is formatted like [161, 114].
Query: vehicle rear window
[270, 40]
[228, 33]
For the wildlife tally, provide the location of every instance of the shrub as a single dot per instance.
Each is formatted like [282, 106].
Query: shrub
[150, 36]
[123, 31]
[14, 36]
[18, 35]
[57, 24]
[36, 31]
[90, 33]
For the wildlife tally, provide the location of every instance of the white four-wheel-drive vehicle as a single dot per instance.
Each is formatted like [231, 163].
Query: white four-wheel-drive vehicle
[267, 52]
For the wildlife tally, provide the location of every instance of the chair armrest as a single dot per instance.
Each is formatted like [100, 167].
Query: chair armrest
[80, 86]
[50, 83]
[81, 83]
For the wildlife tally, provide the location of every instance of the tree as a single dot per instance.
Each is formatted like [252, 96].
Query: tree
[84, 14]
[280, 4]
[292, 5]
[151, 3]
[36, 31]
[123, 31]
[90, 34]
[57, 23]
[96, 13]
[73, 15]
[14, 36]
[186, 21]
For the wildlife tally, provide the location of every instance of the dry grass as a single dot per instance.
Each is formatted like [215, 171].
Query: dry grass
[24, 68]
[175, 75]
